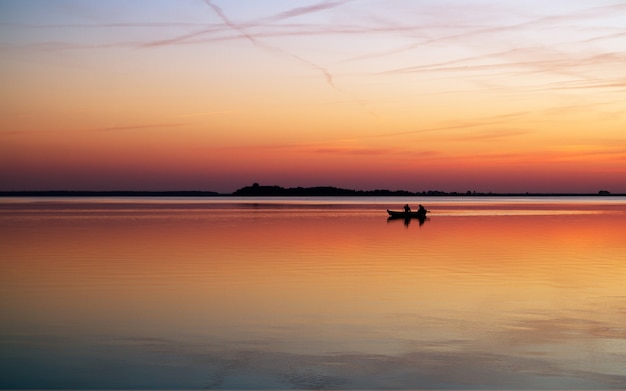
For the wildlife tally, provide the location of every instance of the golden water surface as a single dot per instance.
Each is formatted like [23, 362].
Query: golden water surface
[313, 295]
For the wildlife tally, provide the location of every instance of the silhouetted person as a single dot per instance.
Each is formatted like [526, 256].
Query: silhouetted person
[407, 209]
[422, 210]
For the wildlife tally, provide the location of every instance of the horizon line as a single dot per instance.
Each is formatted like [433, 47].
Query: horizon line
[183, 193]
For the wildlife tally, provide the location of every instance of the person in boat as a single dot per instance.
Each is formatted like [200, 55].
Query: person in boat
[421, 210]
[407, 208]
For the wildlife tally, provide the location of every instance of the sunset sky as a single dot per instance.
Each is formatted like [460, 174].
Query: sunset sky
[493, 96]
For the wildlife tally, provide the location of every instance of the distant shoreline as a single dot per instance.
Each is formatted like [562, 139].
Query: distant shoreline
[277, 191]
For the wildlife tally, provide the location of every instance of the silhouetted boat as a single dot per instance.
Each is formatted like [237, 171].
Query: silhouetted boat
[407, 215]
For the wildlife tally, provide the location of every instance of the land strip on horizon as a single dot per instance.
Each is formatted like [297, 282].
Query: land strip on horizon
[277, 191]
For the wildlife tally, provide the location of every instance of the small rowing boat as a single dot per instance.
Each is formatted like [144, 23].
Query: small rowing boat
[407, 215]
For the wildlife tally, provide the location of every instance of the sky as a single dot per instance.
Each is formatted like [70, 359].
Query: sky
[450, 95]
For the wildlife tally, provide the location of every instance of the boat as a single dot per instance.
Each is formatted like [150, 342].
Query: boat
[407, 215]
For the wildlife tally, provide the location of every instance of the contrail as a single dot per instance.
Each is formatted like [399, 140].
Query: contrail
[228, 22]
[294, 12]
[298, 11]
[291, 13]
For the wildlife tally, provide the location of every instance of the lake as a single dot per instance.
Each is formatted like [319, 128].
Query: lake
[312, 293]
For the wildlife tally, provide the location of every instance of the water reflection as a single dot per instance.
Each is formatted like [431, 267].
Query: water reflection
[310, 297]
[407, 220]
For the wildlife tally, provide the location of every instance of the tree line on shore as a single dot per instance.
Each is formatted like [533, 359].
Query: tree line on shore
[257, 190]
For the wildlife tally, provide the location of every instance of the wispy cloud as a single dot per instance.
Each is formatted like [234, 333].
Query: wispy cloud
[120, 128]
[294, 12]
[304, 10]
[492, 135]
[209, 113]
[469, 32]
[345, 148]
[242, 28]
[469, 28]
[565, 65]
[457, 125]
[138, 127]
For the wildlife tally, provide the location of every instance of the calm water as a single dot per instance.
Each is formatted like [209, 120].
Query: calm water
[313, 294]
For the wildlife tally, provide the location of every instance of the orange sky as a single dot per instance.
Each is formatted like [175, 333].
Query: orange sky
[216, 95]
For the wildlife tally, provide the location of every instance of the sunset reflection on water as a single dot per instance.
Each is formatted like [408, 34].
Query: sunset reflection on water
[310, 297]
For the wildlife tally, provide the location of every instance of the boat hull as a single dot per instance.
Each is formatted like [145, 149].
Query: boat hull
[407, 215]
